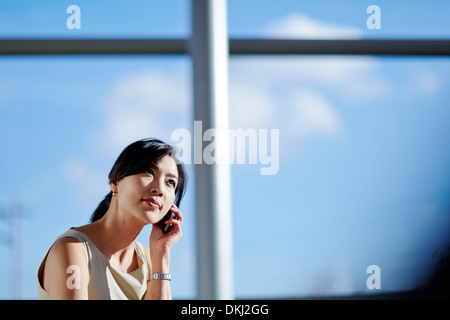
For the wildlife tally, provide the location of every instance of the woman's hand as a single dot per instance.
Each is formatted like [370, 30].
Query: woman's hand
[160, 243]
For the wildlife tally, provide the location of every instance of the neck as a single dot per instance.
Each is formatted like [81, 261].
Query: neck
[115, 233]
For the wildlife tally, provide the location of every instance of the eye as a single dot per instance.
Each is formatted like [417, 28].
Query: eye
[150, 171]
[172, 183]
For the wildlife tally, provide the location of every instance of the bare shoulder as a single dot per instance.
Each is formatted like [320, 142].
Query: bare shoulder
[66, 250]
[65, 256]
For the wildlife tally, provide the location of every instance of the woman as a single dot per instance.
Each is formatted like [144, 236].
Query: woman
[103, 259]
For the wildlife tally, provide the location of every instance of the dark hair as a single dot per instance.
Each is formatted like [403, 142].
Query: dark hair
[139, 157]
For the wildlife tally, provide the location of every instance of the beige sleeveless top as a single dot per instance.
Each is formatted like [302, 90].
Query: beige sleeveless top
[105, 281]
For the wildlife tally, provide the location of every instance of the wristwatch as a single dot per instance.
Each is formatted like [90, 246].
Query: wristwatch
[161, 276]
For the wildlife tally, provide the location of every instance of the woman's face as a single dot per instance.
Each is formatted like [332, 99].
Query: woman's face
[148, 196]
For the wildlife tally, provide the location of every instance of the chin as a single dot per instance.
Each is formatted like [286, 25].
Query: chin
[151, 217]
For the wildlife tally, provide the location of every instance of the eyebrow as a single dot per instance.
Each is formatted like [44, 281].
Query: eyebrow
[169, 174]
[172, 175]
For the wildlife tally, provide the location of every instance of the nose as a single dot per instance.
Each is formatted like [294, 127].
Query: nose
[155, 187]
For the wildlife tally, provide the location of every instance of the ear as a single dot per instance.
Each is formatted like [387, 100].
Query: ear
[113, 186]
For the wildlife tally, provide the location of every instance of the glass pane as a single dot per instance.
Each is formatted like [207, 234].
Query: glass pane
[362, 179]
[63, 123]
[349, 19]
[59, 19]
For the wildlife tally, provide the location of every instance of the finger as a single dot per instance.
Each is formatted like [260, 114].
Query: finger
[176, 224]
[177, 212]
[175, 228]
[173, 221]
[180, 217]
[174, 208]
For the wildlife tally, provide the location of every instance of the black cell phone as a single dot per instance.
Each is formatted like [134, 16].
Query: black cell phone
[167, 217]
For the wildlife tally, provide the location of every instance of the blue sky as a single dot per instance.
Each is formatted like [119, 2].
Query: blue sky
[364, 145]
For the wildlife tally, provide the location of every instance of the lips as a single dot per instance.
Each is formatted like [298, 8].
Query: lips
[152, 202]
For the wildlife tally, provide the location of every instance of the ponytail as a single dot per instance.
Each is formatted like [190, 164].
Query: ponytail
[102, 208]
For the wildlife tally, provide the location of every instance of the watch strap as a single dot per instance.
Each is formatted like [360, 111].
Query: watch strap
[161, 276]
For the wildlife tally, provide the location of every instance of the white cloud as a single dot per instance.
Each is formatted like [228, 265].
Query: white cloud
[312, 113]
[298, 93]
[148, 104]
[300, 26]
[428, 82]
[354, 78]
[250, 107]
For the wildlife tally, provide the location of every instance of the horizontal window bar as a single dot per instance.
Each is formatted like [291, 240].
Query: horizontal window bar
[236, 46]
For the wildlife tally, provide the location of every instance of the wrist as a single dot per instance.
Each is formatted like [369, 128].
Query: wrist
[160, 262]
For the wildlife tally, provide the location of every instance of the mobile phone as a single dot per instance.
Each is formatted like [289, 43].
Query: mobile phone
[167, 217]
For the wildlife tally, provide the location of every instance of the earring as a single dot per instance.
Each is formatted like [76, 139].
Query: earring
[114, 194]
